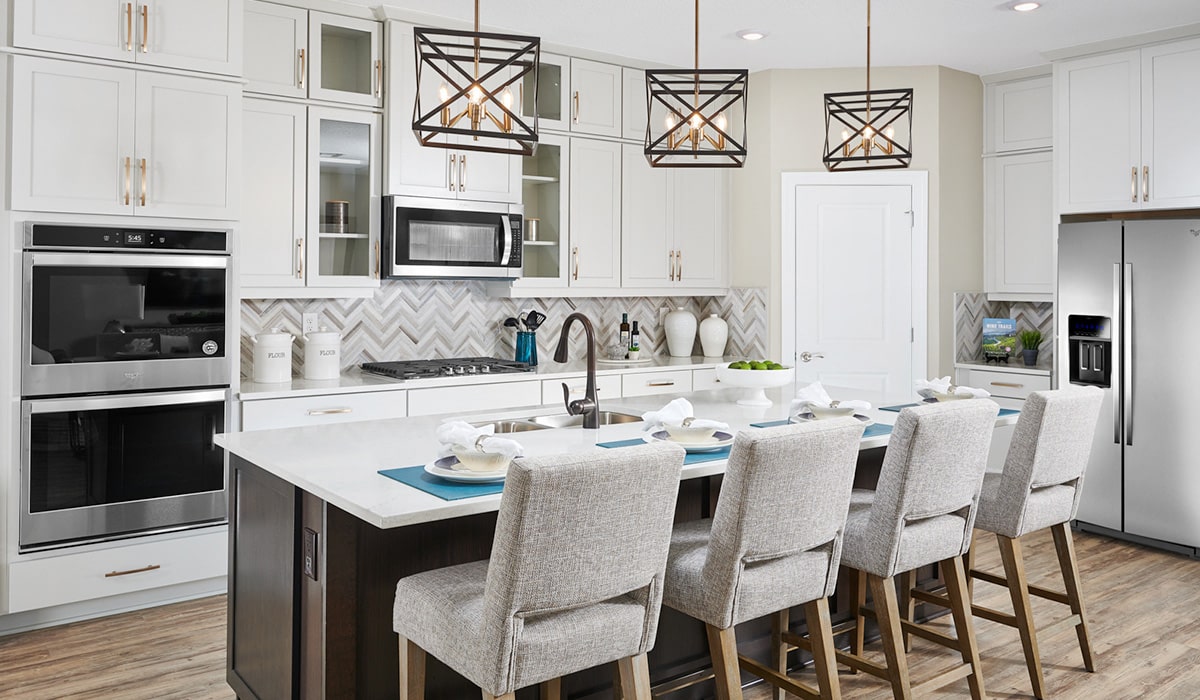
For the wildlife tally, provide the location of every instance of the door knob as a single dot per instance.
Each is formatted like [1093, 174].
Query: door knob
[807, 356]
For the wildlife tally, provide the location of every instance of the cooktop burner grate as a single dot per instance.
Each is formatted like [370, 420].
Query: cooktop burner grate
[454, 367]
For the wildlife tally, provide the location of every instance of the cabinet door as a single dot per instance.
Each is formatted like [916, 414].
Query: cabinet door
[546, 180]
[1098, 142]
[343, 198]
[698, 221]
[99, 28]
[200, 35]
[347, 63]
[595, 213]
[552, 93]
[75, 153]
[413, 169]
[488, 177]
[1170, 103]
[188, 140]
[272, 234]
[647, 252]
[633, 104]
[1019, 224]
[276, 49]
[1020, 112]
[595, 98]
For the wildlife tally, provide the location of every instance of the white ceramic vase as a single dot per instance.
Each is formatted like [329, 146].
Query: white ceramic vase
[714, 333]
[680, 327]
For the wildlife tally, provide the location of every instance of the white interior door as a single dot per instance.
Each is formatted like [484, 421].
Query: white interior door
[853, 294]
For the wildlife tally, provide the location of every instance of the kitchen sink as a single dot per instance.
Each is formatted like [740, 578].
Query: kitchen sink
[563, 420]
[510, 426]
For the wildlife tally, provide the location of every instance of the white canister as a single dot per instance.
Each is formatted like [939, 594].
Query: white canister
[273, 356]
[714, 333]
[680, 328]
[323, 354]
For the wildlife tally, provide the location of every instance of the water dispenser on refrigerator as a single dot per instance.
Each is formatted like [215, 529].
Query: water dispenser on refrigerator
[1090, 339]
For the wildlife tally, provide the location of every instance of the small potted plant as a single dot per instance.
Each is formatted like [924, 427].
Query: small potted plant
[634, 351]
[1030, 340]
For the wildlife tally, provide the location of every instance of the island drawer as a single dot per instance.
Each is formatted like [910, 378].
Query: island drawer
[607, 387]
[70, 578]
[1013, 385]
[480, 397]
[650, 383]
[320, 410]
[705, 379]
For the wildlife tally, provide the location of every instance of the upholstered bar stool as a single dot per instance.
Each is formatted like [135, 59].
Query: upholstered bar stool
[920, 513]
[774, 542]
[575, 578]
[1038, 490]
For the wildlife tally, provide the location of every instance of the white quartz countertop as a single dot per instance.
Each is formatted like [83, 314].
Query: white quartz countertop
[355, 381]
[339, 462]
[1039, 369]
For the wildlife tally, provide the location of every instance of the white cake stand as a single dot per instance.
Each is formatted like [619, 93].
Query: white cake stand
[757, 381]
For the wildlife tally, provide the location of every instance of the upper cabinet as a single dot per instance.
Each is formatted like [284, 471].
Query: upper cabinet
[595, 214]
[1019, 115]
[552, 94]
[292, 52]
[595, 98]
[106, 140]
[633, 104]
[199, 35]
[1123, 120]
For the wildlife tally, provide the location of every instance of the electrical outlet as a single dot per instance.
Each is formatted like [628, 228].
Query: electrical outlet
[310, 322]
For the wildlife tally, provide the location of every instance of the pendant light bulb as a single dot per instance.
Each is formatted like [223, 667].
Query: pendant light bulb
[695, 120]
[443, 93]
[475, 94]
[721, 121]
[506, 98]
[890, 132]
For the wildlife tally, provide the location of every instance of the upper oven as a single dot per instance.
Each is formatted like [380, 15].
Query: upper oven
[118, 309]
[425, 237]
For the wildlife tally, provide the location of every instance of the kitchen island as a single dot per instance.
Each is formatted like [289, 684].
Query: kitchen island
[318, 540]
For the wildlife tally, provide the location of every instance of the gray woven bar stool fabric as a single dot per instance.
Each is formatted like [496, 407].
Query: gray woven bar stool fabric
[776, 537]
[575, 578]
[924, 506]
[1043, 472]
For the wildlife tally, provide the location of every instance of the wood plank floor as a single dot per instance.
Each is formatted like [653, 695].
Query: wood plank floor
[1144, 606]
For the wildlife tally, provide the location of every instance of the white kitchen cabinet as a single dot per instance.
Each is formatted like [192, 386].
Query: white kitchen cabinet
[653, 383]
[1019, 225]
[552, 93]
[473, 399]
[105, 140]
[546, 186]
[199, 35]
[633, 104]
[1019, 114]
[608, 387]
[595, 98]
[277, 58]
[304, 411]
[595, 214]
[1121, 142]
[274, 180]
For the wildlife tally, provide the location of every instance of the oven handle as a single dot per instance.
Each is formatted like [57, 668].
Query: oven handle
[102, 403]
[126, 260]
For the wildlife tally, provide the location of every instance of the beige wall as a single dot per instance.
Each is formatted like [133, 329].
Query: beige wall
[786, 134]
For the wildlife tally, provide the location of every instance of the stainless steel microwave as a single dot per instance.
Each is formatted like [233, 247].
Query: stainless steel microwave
[446, 238]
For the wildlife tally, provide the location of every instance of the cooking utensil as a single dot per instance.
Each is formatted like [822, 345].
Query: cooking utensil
[535, 319]
[523, 317]
[510, 322]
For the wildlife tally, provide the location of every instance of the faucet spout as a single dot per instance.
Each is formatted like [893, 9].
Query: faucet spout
[589, 405]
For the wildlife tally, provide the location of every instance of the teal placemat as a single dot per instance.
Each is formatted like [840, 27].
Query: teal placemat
[897, 409]
[691, 458]
[445, 490]
[873, 430]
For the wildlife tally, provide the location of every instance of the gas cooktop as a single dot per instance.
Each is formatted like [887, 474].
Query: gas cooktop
[454, 367]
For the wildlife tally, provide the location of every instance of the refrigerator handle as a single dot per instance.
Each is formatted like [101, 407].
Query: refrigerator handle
[1118, 328]
[1127, 352]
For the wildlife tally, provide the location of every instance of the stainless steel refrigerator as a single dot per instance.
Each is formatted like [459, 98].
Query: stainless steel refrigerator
[1128, 320]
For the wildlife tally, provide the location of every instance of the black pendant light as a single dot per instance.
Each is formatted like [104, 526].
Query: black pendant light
[869, 130]
[479, 79]
[696, 118]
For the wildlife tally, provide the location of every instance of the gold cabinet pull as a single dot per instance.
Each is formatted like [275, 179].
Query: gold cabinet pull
[575, 259]
[1145, 183]
[1010, 385]
[378, 259]
[1133, 184]
[145, 29]
[329, 411]
[671, 264]
[453, 171]
[127, 181]
[576, 119]
[144, 569]
[679, 265]
[462, 173]
[660, 383]
[299, 258]
[378, 78]
[128, 28]
[143, 169]
[302, 67]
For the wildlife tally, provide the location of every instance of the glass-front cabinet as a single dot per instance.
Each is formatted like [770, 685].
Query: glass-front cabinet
[343, 201]
[545, 184]
[346, 59]
[551, 94]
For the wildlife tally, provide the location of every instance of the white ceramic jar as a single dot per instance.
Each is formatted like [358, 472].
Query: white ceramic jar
[273, 356]
[680, 328]
[323, 354]
[714, 333]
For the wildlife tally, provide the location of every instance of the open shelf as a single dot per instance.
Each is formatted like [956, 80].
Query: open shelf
[539, 179]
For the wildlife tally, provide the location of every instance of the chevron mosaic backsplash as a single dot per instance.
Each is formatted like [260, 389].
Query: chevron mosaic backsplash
[970, 308]
[421, 319]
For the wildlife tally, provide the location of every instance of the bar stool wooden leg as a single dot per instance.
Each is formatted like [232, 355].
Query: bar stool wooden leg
[1018, 589]
[506, 696]
[964, 627]
[551, 689]
[858, 599]
[908, 605]
[616, 673]
[635, 677]
[969, 564]
[412, 671]
[1064, 545]
[722, 645]
[779, 649]
[887, 614]
[820, 633]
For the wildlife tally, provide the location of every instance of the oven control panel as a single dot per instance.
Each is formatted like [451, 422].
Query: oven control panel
[126, 239]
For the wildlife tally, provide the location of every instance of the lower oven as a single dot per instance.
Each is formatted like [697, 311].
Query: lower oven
[101, 467]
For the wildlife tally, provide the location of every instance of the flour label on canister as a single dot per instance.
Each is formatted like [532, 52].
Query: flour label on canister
[275, 355]
[209, 347]
[328, 353]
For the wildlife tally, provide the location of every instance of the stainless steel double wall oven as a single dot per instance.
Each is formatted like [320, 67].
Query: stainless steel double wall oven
[125, 375]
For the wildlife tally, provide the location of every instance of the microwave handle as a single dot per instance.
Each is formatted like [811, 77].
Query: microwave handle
[508, 239]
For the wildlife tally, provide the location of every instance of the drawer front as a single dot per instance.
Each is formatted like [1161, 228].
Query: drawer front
[705, 379]
[650, 383]
[607, 387]
[473, 399]
[1008, 384]
[319, 410]
[70, 578]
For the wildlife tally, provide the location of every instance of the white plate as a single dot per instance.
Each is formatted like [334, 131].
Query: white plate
[448, 468]
[719, 441]
[639, 361]
[807, 416]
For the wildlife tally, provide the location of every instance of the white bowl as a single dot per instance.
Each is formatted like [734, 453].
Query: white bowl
[478, 461]
[756, 379]
[820, 412]
[689, 434]
[942, 396]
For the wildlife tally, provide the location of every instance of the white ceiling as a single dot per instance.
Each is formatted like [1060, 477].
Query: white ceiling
[977, 36]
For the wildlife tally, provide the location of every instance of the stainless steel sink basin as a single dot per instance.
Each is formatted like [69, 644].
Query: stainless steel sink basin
[562, 420]
[510, 426]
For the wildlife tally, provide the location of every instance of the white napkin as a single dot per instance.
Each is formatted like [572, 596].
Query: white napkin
[457, 432]
[674, 413]
[926, 388]
[815, 394]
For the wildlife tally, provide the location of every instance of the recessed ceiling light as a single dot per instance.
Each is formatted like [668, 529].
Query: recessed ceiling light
[751, 34]
[1026, 6]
